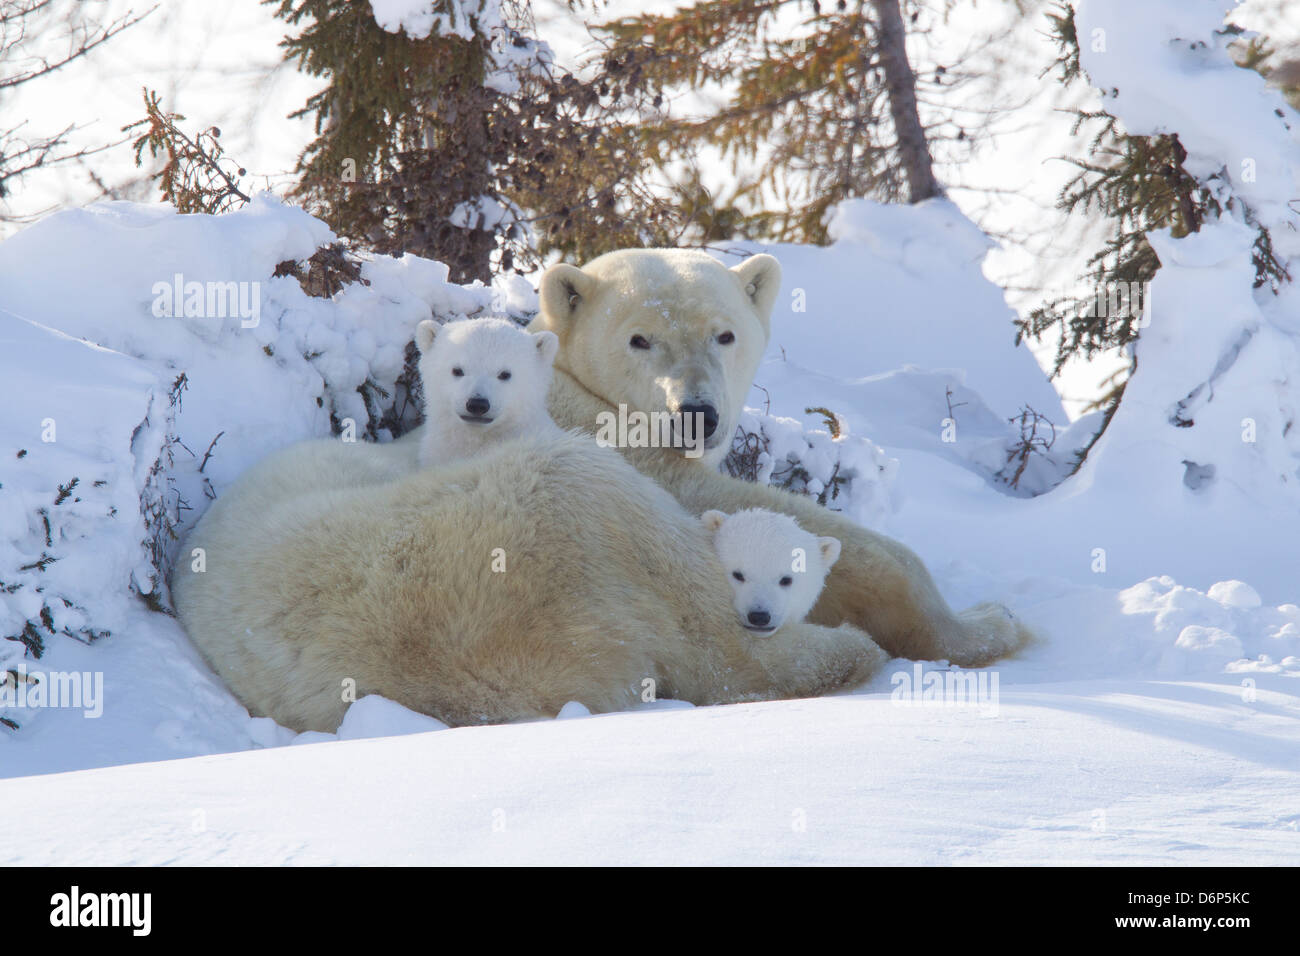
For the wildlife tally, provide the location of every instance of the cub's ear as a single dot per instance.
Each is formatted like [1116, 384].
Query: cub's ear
[425, 333]
[564, 290]
[548, 343]
[830, 549]
[712, 521]
[760, 277]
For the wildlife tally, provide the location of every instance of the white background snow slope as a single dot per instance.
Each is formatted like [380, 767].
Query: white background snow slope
[1156, 721]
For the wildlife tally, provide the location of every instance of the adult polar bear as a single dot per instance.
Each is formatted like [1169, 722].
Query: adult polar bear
[674, 331]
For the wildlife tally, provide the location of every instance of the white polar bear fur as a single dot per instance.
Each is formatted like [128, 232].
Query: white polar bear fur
[312, 578]
[775, 568]
[492, 361]
[611, 591]
[327, 463]
[682, 300]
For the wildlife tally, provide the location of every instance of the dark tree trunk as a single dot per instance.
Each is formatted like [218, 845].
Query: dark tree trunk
[900, 82]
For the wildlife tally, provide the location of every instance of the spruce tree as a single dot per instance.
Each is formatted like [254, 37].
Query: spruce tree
[820, 98]
[1139, 184]
[468, 145]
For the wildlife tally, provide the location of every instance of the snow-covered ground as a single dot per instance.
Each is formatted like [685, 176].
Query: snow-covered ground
[1085, 772]
[1157, 720]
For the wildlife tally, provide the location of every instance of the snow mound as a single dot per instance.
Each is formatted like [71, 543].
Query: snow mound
[901, 286]
[1225, 628]
[1204, 450]
[180, 360]
[375, 716]
[80, 490]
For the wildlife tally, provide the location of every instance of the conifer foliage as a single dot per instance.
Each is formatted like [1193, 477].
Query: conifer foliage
[195, 177]
[820, 90]
[465, 145]
[1139, 184]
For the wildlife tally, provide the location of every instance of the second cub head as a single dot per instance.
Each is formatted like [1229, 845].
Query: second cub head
[484, 372]
[775, 568]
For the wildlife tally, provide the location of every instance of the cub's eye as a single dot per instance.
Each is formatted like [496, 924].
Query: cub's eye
[726, 338]
[737, 575]
[504, 376]
[786, 581]
[458, 372]
[639, 342]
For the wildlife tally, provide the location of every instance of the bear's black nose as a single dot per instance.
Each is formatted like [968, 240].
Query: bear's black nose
[478, 405]
[710, 417]
[759, 618]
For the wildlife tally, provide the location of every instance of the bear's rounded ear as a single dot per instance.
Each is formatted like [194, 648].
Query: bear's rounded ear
[830, 549]
[548, 343]
[760, 277]
[712, 520]
[425, 333]
[563, 291]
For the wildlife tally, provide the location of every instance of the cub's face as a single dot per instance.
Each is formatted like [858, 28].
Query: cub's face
[775, 568]
[665, 331]
[484, 373]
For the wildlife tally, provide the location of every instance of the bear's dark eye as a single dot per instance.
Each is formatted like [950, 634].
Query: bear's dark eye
[737, 575]
[504, 376]
[787, 581]
[458, 372]
[639, 342]
[726, 338]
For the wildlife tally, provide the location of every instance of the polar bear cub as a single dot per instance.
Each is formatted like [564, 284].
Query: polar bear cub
[776, 569]
[485, 382]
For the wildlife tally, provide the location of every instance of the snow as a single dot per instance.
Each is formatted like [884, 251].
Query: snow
[1154, 721]
[1164, 67]
[512, 55]
[142, 398]
[415, 17]
[1089, 772]
[915, 270]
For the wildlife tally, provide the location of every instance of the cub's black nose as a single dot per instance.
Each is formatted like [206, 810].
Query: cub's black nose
[478, 405]
[710, 417]
[759, 618]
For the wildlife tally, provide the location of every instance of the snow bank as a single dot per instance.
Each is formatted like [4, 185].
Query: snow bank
[1120, 772]
[79, 463]
[1204, 451]
[902, 286]
[895, 329]
[137, 341]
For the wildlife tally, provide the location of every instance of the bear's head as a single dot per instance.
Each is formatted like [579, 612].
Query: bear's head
[776, 568]
[668, 331]
[486, 373]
